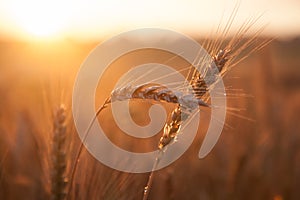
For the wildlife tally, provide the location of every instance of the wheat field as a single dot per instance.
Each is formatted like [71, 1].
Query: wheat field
[257, 156]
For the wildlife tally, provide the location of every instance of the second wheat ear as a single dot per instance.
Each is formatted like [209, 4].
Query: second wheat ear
[59, 162]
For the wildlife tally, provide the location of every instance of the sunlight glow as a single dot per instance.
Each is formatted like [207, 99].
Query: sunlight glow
[96, 19]
[40, 18]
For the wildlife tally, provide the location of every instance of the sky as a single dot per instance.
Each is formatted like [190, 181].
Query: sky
[87, 20]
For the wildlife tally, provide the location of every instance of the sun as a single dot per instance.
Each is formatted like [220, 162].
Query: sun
[40, 18]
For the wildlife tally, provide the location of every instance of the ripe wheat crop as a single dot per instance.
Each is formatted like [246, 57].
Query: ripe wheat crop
[42, 156]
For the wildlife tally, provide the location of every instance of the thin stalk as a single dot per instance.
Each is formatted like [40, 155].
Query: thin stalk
[151, 175]
[107, 101]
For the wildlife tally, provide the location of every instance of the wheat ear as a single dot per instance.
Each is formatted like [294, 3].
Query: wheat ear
[200, 87]
[157, 93]
[58, 173]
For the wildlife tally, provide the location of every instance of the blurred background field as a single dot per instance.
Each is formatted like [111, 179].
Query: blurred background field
[257, 156]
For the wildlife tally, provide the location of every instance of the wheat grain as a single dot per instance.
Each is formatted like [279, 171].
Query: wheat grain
[171, 129]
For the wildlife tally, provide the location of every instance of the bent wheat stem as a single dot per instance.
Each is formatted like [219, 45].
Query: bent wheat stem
[106, 102]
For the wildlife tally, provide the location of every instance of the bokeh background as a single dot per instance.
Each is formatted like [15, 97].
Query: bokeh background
[42, 45]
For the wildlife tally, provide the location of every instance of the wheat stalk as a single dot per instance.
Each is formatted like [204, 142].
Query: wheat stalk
[58, 177]
[73, 171]
[185, 104]
[222, 59]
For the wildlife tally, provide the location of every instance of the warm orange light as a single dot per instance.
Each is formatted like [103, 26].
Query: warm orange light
[40, 18]
[96, 19]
